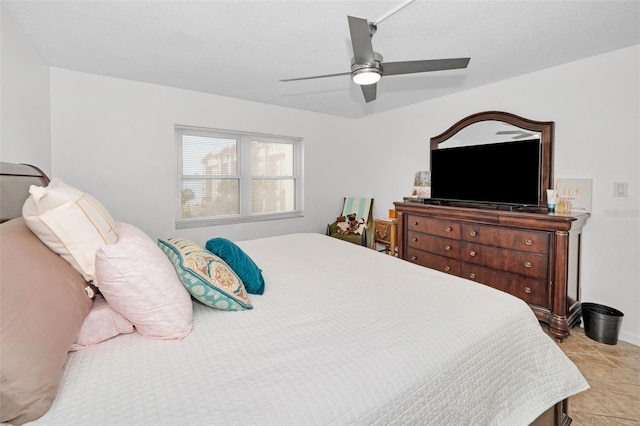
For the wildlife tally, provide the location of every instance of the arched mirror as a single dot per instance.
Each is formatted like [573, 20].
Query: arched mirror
[495, 157]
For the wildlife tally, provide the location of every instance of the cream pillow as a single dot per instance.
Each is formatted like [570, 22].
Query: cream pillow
[70, 222]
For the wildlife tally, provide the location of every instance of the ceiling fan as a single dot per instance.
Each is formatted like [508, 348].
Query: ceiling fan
[367, 66]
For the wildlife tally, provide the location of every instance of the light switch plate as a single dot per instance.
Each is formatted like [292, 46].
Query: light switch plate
[620, 189]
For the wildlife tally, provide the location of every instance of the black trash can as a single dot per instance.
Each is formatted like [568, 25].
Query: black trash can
[601, 323]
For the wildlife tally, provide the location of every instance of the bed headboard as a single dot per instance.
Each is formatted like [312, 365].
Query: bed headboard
[15, 180]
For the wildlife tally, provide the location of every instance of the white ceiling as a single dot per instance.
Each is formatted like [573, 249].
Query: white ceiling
[242, 48]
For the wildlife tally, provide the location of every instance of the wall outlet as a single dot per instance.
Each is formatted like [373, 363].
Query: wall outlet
[620, 189]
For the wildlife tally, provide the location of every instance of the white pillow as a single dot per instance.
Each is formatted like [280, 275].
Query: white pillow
[70, 222]
[140, 282]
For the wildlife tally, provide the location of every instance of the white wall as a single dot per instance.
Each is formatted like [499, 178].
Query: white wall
[115, 139]
[595, 104]
[25, 135]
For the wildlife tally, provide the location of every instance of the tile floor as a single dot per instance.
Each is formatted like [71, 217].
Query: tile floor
[613, 372]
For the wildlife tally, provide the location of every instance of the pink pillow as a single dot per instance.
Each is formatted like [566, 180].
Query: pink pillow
[139, 282]
[101, 324]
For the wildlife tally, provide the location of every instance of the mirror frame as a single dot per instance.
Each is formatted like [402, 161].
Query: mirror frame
[545, 128]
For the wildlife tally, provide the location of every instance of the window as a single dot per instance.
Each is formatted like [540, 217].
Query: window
[234, 177]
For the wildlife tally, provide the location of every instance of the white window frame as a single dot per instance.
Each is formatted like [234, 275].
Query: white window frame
[244, 140]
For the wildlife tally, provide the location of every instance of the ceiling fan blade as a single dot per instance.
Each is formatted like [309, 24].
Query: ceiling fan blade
[369, 92]
[316, 76]
[361, 40]
[517, 134]
[409, 67]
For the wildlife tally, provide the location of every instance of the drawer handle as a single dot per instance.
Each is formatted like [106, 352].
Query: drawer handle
[473, 233]
[472, 253]
[527, 290]
[447, 268]
[413, 258]
[528, 264]
[528, 242]
[447, 247]
[448, 229]
[415, 223]
[414, 239]
[472, 275]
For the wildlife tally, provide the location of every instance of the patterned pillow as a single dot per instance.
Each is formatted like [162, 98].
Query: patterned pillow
[207, 277]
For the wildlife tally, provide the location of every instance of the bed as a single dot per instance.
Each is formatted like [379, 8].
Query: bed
[341, 335]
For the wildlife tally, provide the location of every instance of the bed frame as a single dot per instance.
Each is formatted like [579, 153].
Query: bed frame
[15, 180]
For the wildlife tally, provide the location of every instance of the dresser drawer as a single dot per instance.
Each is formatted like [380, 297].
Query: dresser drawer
[443, 228]
[534, 292]
[529, 264]
[437, 245]
[430, 260]
[531, 290]
[530, 241]
[491, 277]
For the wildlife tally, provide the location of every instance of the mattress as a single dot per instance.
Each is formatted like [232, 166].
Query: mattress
[342, 335]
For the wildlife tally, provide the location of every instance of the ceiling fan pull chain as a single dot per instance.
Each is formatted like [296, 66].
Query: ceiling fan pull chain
[392, 11]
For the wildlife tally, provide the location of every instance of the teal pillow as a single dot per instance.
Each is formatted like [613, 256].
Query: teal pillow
[207, 277]
[240, 262]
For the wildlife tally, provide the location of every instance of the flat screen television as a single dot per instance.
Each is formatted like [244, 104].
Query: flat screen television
[507, 173]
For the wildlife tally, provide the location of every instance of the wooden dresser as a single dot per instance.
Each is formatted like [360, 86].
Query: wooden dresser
[533, 256]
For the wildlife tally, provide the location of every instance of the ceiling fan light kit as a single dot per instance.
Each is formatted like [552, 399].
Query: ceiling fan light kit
[365, 74]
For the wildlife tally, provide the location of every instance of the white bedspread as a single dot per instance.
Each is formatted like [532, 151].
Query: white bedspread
[342, 335]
